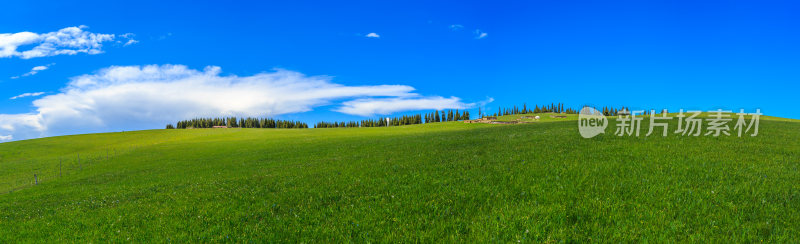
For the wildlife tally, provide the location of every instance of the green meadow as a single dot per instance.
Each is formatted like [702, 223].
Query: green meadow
[437, 182]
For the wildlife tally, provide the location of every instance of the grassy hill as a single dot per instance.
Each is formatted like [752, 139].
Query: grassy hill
[433, 182]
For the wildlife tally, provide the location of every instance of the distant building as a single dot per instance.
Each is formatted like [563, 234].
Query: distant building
[487, 119]
[219, 126]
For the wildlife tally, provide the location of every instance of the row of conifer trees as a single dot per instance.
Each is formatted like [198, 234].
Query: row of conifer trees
[395, 121]
[432, 117]
[552, 108]
[609, 111]
[233, 122]
[445, 116]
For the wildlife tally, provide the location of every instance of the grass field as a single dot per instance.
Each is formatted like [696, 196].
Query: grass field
[443, 182]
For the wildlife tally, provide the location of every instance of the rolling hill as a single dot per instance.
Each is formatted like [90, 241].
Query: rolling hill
[450, 181]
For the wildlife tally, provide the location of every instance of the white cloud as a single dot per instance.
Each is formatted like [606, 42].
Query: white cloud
[34, 71]
[28, 94]
[384, 106]
[67, 41]
[129, 37]
[146, 97]
[21, 125]
[162, 37]
[6, 138]
[373, 35]
[130, 42]
[480, 34]
[484, 102]
[456, 27]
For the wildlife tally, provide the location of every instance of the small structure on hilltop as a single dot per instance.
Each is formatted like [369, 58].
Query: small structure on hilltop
[486, 120]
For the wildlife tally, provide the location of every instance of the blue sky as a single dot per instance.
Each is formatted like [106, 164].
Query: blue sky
[641, 54]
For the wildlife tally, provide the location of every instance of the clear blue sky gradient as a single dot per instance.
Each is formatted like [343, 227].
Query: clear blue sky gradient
[643, 54]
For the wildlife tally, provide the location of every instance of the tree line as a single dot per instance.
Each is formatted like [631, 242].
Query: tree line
[609, 111]
[552, 108]
[395, 121]
[432, 117]
[445, 116]
[233, 122]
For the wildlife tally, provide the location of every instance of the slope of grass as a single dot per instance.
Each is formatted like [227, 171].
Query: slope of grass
[433, 182]
[551, 117]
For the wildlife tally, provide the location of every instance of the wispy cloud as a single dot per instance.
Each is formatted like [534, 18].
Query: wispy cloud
[484, 102]
[130, 42]
[456, 27]
[143, 97]
[129, 38]
[34, 71]
[384, 106]
[480, 34]
[28, 94]
[6, 138]
[165, 36]
[373, 35]
[67, 41]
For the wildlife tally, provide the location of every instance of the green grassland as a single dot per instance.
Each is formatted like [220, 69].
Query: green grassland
[552, 117]
[442, 182]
